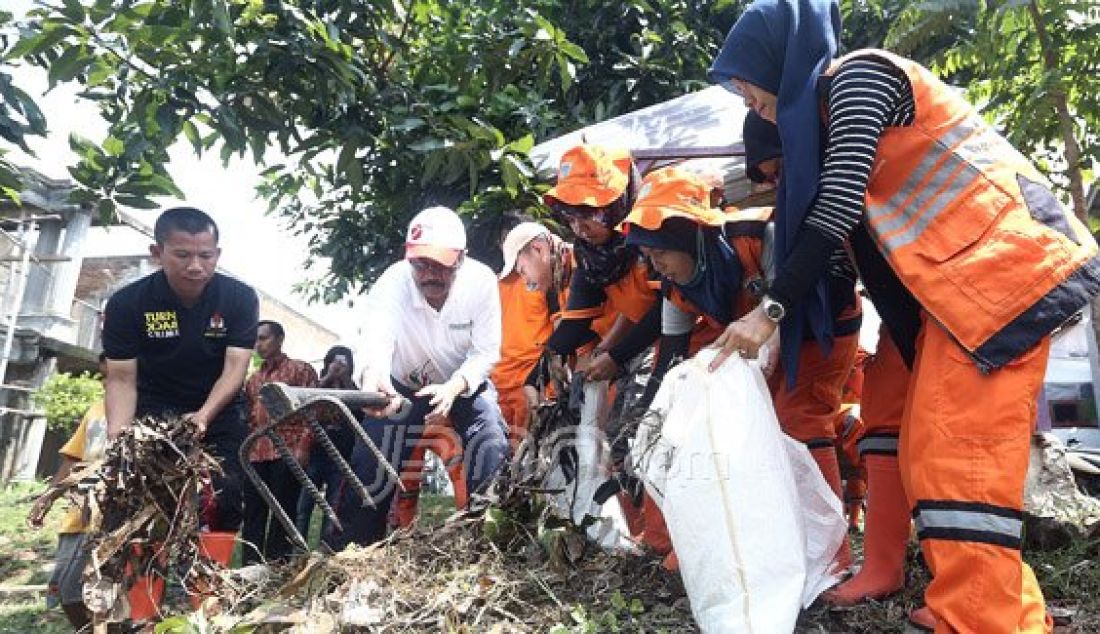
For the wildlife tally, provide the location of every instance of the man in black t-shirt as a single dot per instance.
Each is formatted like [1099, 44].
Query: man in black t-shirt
[179, 341]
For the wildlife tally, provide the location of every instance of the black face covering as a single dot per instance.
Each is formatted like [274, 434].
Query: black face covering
[607, 263]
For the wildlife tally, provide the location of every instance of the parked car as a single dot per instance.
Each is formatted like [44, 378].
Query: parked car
[1068, 404]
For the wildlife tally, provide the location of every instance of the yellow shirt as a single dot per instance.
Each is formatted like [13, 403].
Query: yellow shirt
[80, 448]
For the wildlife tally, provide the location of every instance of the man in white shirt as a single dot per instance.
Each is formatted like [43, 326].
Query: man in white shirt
[431, 334]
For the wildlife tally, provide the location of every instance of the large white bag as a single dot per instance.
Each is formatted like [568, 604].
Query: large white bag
[754, 524]
[606, 524]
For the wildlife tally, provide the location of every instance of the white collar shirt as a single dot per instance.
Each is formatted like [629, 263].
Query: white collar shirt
[416, 345]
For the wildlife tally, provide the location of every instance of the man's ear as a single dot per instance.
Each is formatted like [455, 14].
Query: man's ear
[156, 251]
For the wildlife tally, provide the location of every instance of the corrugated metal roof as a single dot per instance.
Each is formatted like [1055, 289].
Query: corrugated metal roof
[708, 121]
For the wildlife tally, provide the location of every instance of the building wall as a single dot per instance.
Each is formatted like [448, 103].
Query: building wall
[305, 339]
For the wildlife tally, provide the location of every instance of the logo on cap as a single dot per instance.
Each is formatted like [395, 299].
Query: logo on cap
[563, 172]
[416, 232]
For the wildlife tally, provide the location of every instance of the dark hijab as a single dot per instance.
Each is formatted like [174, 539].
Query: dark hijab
[761, 139]
[717, 280]
[330, 356]
[784, 46]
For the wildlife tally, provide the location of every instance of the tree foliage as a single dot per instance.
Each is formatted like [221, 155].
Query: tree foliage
[20, 118]
[362, 113]
[65, 398]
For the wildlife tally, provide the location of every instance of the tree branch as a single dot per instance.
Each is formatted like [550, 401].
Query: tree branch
[401, 39]
[1058, 99]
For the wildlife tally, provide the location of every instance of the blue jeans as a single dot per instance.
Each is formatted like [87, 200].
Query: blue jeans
[479, 425]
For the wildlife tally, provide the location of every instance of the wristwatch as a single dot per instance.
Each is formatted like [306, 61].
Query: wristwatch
[773, 310]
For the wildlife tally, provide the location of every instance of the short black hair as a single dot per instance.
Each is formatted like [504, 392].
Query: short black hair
[187, 219]
[275, 327]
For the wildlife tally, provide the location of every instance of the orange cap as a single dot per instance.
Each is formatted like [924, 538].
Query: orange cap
[673, 192]
[591, 175]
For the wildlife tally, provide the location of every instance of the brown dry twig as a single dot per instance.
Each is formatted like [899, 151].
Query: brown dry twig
[141, 502]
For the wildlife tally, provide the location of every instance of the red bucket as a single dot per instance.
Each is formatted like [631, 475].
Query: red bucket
[216, 546]
[146, 593]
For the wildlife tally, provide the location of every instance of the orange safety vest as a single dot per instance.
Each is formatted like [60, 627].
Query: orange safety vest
[972, 229]
[632, 295]
[525, 327]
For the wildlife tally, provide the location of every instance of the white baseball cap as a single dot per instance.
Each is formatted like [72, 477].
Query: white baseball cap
[436, 233]
[519, 237]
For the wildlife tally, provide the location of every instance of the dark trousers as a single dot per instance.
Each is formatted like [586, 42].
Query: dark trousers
[323, 473]
[476, 420]
[225, 445]
[264, 535]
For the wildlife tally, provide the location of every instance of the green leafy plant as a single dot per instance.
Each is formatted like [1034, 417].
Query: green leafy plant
[20, 118]
[65, 398]
[360, 118]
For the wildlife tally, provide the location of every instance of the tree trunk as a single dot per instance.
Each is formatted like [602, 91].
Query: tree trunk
[1065, 119]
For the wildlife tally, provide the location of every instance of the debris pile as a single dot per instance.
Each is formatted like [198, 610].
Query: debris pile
[511, 562]
[1057, 512]
[496, 572]
[142, 506]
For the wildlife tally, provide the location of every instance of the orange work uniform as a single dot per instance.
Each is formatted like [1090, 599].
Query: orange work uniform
[807, 411]
[886, 529]
[849, 428]
[525, 326]
[442, 440]
[973, 232]
[631, 296]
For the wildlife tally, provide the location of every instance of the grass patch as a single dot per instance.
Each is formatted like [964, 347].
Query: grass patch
[435, 509]
[27, 560]
[1070, 578]
[28, 554]
[20, 617]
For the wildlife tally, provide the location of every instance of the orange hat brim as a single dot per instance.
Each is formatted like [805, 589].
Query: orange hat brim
[443, 255]
[651, 217]
[584, 192]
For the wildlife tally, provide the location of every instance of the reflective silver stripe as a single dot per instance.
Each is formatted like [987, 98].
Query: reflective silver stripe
[957, 181]
[942, 146]
[968, 520]
[987, 148]
[674, 320]
[939, 178]
[878, 444]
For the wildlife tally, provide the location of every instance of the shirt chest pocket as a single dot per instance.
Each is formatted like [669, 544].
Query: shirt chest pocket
[460, 333]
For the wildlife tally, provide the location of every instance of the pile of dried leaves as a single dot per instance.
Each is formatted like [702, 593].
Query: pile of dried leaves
[489, 573]
[513, 564]
[142, 506]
